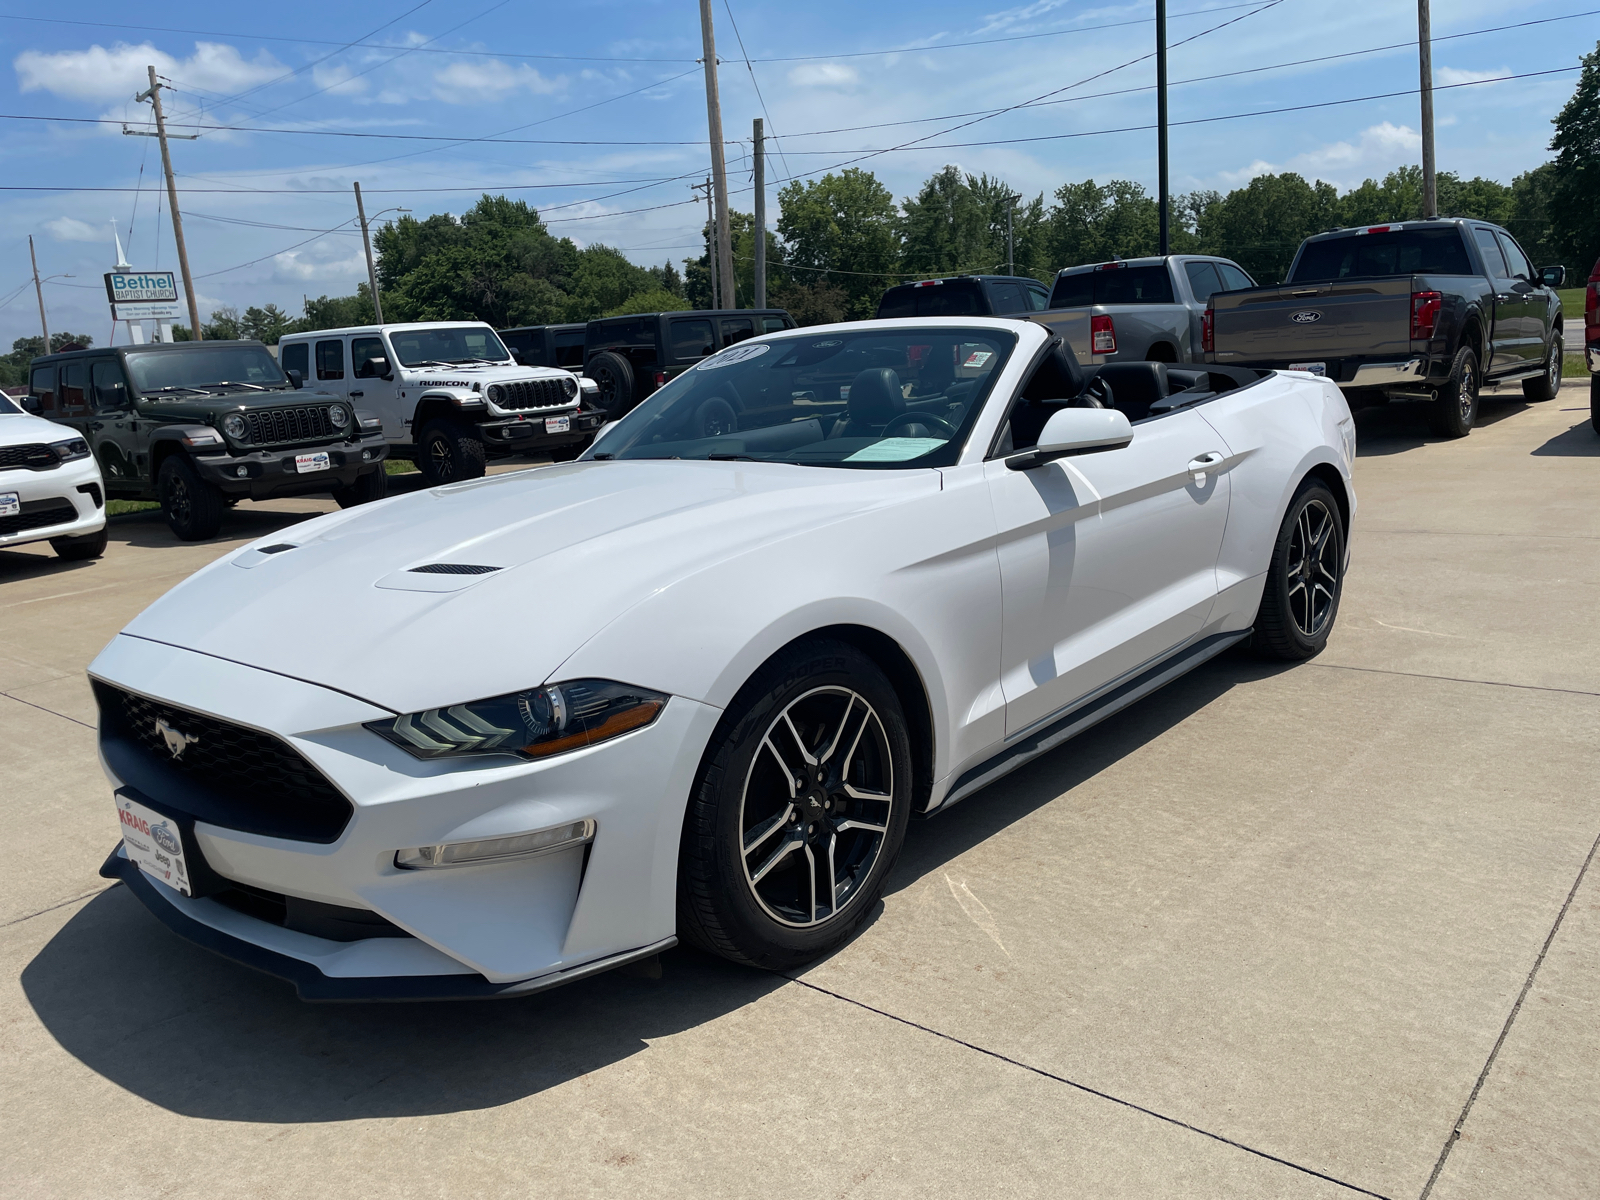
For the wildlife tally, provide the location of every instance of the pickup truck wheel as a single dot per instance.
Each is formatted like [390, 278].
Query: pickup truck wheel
[1547, 385]
[191, 505]
[1594, 402]
[1453, 414]
[77, 549]
[450, 451]
[374, 485]
[613, 375]
[1305, 578]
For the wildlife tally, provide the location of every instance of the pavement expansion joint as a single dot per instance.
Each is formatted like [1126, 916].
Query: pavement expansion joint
[59, 904]
[1525, 687]
[43, 709]
[1511, 1017]
[1096, 1092]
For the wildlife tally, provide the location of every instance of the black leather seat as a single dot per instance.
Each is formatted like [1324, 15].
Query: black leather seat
[875, 400]
[1135, 386]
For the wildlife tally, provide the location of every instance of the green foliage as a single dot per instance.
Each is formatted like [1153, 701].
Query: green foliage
[338, 312]
[696, 284]
[1089, 223]
[843, 227]
[655, 300]
[1572, 201]
[1261, 225]
[815, 303]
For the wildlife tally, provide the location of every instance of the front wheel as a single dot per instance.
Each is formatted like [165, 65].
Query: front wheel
[78, 549]
[193, 507]
[1545, 386]
[1455, 411]
[1594, 402]
[449, 451]
[799, 811]
[374, 485]
[1305, 578]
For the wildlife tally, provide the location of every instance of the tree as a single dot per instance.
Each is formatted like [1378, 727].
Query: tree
[816, 303]
[655, 299]
[697, 272]
[338, 312]
[842, 229]
[1261, 225]
[1571, 203]
[266, 324]
[1089, 223]
[224, 324]
[946, 230]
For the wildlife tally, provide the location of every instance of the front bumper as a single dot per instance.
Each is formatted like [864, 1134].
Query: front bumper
[266, 474]
[62, 501]
[497, 928]
[530, 431]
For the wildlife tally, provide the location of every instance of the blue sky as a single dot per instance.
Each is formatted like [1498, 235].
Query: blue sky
[624, 130]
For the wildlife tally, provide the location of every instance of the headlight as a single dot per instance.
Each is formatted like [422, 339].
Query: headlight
[233, 425]
[496, 393]
[72, 448]
[570, 386]
[339, 415]
[533, 724]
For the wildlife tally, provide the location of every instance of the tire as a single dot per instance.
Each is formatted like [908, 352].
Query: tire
[613, 375]
[192, 507]
[449, 452]
[1594, 402]
[766, 906]
[374, 485]
[1545, 387]
[77, 549]
[1453, 414]
[1285, 628]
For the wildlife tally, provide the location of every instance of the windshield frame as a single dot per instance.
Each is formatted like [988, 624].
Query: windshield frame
[626, 434]
[426, 362]
[135, 360]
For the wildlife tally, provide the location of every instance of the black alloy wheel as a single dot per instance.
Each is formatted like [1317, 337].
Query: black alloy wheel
[1455, 411]
[1305, 579]
[1544, 387]
[193, 507]
[449, 452]
[799, 811]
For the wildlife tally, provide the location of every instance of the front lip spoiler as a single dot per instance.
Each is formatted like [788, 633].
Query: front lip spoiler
[312, 985]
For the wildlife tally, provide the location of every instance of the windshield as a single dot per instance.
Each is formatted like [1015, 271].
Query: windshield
[6, 406]
[1113, 284]
[878, 399]
[201, 366]
[1375, 255]
[449, 344]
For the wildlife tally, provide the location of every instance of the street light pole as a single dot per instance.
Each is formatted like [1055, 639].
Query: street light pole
[39, 290]
[1161, 122]
[366, 243]
[719, 164]
[1430, 183]
[759, 276]
[154, 96]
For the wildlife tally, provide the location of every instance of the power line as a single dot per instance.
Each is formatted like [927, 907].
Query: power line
[753, 82]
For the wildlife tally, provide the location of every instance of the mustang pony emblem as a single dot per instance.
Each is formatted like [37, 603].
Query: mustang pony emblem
[177, 741]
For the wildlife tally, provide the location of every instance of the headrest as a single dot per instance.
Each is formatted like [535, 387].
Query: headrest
[875, 396]
[1057, 377]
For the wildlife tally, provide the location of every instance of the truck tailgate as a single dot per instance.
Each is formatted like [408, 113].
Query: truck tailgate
[1367, 319]
[1073, 326]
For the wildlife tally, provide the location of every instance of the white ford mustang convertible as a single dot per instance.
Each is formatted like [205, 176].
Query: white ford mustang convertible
[491, 737]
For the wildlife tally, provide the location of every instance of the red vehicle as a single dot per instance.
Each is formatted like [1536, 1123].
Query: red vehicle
[1591, 342]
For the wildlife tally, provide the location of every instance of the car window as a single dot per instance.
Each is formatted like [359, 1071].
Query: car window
[1073, 291]
[8, 406]
[526, 346]
[1038, 297]
[736, 329]
[74, 386]
[569, 349]
[362, 351]
[898, 302]
[1203, 279]
[1133, 285]
[877, 399]
[1233, 278]
[1518, 261]
[296, 357]
[449, 344]
[774, 324]
[1006, 298]
[1437, 251]
[110, 386]
[42, 383]
[330, 359]
[634, 332]
[954, 298]
[1493, 259]
[690, 339]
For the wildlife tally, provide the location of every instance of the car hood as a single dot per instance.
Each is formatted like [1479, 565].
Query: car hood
[25, 429]
[202, 407]
[573, 547]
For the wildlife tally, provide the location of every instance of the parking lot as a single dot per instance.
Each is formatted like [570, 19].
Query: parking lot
[1276, 931]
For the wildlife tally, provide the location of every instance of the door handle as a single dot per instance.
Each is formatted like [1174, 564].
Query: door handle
[1199, 465]
[97, 425]
[353, 395]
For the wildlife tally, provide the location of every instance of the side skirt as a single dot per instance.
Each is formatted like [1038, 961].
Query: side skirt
[1054, 732]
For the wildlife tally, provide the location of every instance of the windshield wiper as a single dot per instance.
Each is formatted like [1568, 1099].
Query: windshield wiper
[427, 362]
[733, 458]
[171, 387]
[237, 383]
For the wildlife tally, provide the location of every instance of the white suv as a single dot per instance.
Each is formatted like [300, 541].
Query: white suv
[449, 393]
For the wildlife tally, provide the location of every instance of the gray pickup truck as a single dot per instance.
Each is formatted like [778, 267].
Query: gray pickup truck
[1419, 310]
[1138, 309]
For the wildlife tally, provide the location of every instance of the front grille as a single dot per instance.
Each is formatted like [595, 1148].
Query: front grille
[284, 425]
[334, 922]
[39, 514]
[32, 456]
[532, 393]
[228, 775]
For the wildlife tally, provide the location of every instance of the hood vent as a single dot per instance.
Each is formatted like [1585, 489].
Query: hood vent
[277, 549]
[453, 569]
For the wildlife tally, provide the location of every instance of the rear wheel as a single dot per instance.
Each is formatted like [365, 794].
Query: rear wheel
[192, 506]
[76, 549]
[1547, 385]
[1453, 414]
[1301, 599]
[374, 485]
[1594, 402]
[613, 375]
[448, 452]
[799, 811]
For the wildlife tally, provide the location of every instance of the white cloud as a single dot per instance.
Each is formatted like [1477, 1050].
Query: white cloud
[1450, 75]
[300, 267]
[70, 229]
[116, 74]
[490, 79]
[1241, 177]
[1375, 152]
[823, 75]
[337, 80]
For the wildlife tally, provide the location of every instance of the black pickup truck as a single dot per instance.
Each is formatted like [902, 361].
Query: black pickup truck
[1418, 310]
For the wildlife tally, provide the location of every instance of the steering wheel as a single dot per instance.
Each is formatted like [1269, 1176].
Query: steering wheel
[919, 418]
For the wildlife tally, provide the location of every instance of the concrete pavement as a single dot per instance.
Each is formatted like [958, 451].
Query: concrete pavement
[1273, 932]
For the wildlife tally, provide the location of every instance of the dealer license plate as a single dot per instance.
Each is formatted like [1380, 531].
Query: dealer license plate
[557, 424]
[1320, 368]
[10, 504]
[153, 844]
[318, 461]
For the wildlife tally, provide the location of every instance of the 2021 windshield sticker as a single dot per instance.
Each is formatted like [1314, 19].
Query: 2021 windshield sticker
[734, 354]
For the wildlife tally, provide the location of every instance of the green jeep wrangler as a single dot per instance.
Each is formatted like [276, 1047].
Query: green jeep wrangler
[200, 426]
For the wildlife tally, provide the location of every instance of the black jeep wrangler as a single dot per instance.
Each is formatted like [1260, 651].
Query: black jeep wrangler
[200, 426]
[630, 357]
[546, 346]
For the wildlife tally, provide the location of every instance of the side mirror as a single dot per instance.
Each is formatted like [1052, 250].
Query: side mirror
[1075, 431]
[30, 404]
[376, 368]
[1552, 277]
[296, 381]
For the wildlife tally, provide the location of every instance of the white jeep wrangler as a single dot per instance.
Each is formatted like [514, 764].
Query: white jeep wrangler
[449, 393]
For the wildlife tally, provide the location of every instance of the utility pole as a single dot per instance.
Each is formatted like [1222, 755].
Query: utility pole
[39, 290]
[758, 141]
[1011, 261]
[1430, 184]
[366, 243]
[711, 240]
[154, 96]
[1161, 123]
[719, 165]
